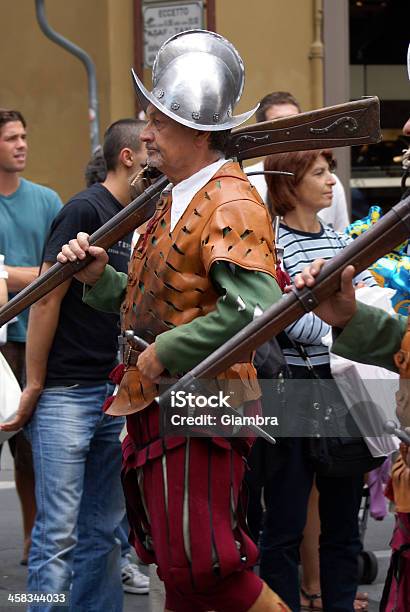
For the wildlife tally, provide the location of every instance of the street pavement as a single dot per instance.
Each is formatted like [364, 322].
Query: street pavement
[13, 575]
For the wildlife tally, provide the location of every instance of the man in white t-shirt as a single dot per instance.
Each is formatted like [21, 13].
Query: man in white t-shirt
[282, 104]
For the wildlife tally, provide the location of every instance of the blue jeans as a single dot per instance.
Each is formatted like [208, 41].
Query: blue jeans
[122, 533]
[80, 503]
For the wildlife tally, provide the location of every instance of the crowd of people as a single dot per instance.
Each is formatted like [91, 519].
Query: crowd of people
[203, 267]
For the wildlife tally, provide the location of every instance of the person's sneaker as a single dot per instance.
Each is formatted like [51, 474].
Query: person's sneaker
[133, 580]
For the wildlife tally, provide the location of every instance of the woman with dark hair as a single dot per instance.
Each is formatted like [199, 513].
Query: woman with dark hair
[303, 238]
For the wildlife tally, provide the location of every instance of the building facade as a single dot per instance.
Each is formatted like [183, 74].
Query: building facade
[300, 46]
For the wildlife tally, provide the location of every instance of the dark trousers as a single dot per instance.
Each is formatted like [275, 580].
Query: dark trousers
[286, 498]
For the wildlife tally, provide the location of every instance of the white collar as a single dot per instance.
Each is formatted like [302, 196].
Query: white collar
[183, 193]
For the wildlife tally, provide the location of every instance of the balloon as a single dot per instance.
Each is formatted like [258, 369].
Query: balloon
[395, 274]
[358, 227]
[392, 270]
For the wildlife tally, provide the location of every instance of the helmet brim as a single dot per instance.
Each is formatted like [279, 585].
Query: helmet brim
[145, 98]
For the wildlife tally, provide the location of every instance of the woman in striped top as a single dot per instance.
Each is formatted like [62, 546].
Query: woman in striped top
[299, 249]
[303, 237]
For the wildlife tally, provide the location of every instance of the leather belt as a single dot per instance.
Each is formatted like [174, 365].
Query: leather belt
[131, 357]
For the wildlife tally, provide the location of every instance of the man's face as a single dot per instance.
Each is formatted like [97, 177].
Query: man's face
[170, 146]
[13, 147]
[277, 111]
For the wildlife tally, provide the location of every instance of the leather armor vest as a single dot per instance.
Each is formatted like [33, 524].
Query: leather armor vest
[168, 280]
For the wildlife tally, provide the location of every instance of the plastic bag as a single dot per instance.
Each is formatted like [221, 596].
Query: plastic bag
[10, 394]
[369, 391]
[3, 331]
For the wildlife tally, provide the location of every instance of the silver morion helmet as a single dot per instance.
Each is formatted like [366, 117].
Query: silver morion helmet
[198, 78]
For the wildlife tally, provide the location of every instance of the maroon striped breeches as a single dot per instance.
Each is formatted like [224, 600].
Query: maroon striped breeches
[185, 508]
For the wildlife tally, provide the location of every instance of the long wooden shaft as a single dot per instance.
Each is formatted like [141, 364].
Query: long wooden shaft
[387, 233]
[134, 215]
[353, 123]
[335, 126]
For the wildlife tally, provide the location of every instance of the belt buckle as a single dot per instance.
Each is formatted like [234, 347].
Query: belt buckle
[125, 349]
[122, 344]
[127, 355]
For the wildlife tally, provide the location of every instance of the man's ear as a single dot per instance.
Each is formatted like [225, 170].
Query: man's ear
[203, 138]
[126, 157]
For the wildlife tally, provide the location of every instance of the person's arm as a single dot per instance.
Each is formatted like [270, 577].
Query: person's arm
[42, 325]
[371, 336]
[108, 293]
[367, 334]
[309, 329]
[20, 277]
[44, 315]
[244, 295]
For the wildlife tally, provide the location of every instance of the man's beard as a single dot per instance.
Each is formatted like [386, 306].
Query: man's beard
[155, 160]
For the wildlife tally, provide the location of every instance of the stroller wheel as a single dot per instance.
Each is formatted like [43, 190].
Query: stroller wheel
[368, 567]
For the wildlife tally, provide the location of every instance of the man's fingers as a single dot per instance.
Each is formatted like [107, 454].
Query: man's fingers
[312, 271]
[66, 254]
[149, 364]
[82, 239]
[76, 249]
[73, 251]
[14, 425]
[98, 253]
[307, 277]
[346, 280]
[316, 266]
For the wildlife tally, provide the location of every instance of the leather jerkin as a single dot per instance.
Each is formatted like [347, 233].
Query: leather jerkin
[168, 280]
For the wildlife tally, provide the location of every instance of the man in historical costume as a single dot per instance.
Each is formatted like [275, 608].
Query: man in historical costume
[202, 269]
[385, 343]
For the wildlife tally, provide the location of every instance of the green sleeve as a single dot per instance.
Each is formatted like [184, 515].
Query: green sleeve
[372, 336]
[242, 291]
[108, 292]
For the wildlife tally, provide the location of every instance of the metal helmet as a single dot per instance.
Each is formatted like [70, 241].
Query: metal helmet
[198, 78]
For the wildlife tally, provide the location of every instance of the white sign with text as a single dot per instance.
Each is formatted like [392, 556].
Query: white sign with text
[161, 21]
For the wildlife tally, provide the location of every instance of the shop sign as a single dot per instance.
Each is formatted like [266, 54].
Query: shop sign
[162, 20]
